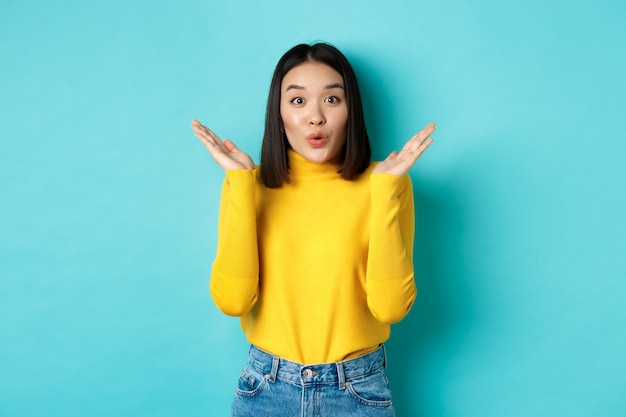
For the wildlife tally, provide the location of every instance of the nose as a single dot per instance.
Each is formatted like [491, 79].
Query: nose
[316, 117]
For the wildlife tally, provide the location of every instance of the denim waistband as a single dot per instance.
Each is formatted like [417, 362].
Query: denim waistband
[275, 367]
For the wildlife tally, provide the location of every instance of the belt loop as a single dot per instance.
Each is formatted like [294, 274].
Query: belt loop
[382, 345]
[274, 371]
[341, 376]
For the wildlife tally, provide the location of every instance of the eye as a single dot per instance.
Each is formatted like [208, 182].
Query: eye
[297, 100]
[332, 100]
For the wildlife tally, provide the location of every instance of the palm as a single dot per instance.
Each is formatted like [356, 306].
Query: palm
[225, 153]
[399, 163]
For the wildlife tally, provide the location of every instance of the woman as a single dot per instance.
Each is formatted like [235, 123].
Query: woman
[314, 246]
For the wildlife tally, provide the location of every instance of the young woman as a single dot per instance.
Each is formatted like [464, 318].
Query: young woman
[315, 246]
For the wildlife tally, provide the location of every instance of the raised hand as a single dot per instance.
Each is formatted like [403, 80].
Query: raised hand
[225, 153]
[399, 163]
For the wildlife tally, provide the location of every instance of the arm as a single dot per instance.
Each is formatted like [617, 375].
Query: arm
[390, 281]
[235, 275]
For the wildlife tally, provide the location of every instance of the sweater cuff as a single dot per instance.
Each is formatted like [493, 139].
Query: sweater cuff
[385, 187]
[241, 181]
[240, 174]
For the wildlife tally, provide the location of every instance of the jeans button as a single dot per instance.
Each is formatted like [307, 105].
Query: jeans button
[307, 373]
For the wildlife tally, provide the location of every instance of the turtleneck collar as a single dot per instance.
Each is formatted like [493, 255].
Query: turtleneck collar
[302, 167]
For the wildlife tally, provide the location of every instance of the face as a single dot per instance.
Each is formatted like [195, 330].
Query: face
[314, 111]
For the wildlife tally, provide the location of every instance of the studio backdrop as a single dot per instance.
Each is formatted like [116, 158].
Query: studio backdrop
[108, 203]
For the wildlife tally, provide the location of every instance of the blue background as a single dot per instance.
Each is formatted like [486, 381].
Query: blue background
[108, 204]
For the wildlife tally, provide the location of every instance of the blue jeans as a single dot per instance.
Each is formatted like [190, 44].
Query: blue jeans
[272, 386]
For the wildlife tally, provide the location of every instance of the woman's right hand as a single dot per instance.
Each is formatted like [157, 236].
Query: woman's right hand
[225, 153]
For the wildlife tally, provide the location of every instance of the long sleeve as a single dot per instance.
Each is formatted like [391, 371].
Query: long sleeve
[319, 268]
[390, 283]
[235, 275]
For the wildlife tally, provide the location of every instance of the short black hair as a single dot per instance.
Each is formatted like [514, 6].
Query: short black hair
[357, 150]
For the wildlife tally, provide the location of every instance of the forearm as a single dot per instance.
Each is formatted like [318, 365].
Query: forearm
[235, 275]
[390, 281]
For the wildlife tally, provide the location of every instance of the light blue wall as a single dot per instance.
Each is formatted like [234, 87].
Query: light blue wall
[108, 204]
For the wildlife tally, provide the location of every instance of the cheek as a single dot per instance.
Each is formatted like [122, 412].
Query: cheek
[341, 120]
[289, 118]
[341, 114]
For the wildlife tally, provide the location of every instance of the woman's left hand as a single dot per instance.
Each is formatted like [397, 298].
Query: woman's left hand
[399, 163]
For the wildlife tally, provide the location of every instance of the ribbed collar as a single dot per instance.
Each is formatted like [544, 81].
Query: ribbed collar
[302, 167]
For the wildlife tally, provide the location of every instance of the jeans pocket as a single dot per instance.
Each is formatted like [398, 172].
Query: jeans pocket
[372, 390]
[250, 383]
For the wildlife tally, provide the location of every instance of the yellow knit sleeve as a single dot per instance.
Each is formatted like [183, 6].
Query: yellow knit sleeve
[390, 283]
[235, 275]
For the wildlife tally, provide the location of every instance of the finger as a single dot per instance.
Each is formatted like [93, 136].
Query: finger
[420, 140]
[204, 131]
[413, 150]
[425, 133]
[208, 140]
[198, 127]
[429, 129]
[424, 145]
[207, 136]
[417, 147]
[230, 146]
[392, 155]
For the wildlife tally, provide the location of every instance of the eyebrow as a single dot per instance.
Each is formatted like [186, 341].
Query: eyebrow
[328, 87]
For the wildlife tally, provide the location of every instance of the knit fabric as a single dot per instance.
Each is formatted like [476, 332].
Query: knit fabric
[319, 268]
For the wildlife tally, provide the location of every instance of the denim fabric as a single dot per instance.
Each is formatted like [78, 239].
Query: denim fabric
[272, 386]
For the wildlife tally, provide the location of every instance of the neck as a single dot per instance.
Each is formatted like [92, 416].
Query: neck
[300, 166]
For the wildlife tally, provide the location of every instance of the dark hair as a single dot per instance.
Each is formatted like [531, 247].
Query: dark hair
[356, 152]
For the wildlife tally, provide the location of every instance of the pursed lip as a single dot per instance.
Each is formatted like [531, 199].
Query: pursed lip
[316, 136]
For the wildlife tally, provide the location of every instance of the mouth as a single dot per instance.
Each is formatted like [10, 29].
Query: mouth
[317, 139]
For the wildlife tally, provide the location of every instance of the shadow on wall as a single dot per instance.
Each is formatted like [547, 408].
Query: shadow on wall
[424, 338]
[436, 322]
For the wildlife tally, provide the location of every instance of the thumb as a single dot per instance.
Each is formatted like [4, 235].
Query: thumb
[392, 156]
[230, 146]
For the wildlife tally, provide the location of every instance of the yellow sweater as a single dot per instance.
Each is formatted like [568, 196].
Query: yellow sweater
[319, 268]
